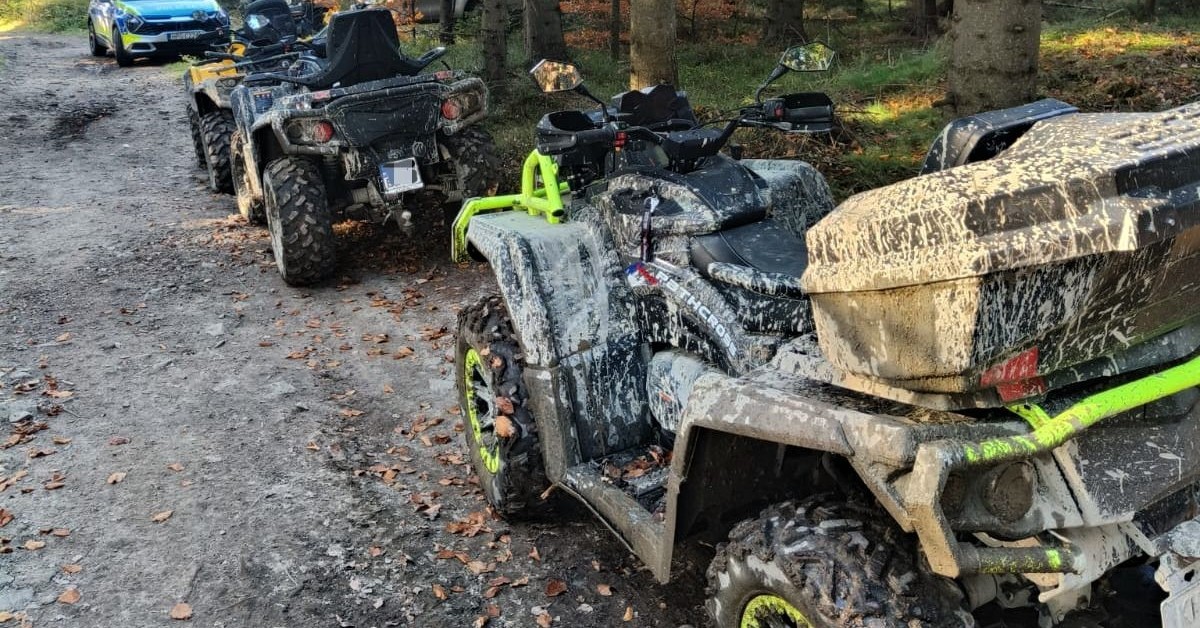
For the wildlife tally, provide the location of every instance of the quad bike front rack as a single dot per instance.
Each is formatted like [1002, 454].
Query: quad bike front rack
[935, 461]
[544, 199]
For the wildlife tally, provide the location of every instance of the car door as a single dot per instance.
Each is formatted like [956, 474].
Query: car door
[102, 19]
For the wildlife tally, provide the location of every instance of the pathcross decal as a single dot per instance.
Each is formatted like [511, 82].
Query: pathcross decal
[640, 274]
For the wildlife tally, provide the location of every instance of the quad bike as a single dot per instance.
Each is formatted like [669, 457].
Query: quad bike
[358, 134]
[968, 398]
[267, 40]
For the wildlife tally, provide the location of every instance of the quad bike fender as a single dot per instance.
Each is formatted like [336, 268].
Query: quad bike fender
[569, 307]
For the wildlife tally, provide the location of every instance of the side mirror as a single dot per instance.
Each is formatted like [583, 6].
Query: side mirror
[814, 57]
[555, 76]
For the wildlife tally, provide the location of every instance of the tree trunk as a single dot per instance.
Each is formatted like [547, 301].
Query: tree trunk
[1149, 7]
[994, 54]
[923, 17]
[614, 31]
[495, 47]
[543, 31]
[784, 22]
[446, 36]
[651, 43]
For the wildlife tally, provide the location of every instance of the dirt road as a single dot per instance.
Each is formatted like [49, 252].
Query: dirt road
[188, 430]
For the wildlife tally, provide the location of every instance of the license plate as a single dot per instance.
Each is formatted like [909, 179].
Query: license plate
[1182, 608]
[400, 176]
[183, 35]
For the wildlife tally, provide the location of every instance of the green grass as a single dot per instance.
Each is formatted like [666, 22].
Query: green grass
[55, 16]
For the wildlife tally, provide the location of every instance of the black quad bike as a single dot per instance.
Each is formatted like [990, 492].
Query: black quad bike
[965, 399]
[267, 41]
[356, 134]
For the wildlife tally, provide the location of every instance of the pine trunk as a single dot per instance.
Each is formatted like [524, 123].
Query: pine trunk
[495, 47]
[651, 43]
[446, 34]
[994, 54]
[784, 23]
[614, 31]
[543, 31]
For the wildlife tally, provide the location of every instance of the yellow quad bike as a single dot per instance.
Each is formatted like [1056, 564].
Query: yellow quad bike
[269, 40]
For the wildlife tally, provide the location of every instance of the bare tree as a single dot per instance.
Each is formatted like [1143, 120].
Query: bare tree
[446, 34]
[923, 17]
[495, 45]
[784, 22]
[994, 54]
[543, 31]
[651, 43]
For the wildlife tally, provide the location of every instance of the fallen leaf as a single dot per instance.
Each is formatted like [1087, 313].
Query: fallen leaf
[480, 621]
[162, 516]
[70, 596]
[387, 389]
[54, 485]
[311, 446]
[5, 517]
[402, 352]
[504, 427]
[40, 453]
[628, 614]
[72, 568]
[439, 592]
[534, 554]
[181, 611]
[175, 466]
[544, 620]
[505, 405]
[479, 567]
[350, 412]
[33, 544]
[63, 337]
[60, 440]
[266, 344]
[555, 588]
[375, 551]
[118, 440]
[116, 477]
[604, 589]
[60, 532]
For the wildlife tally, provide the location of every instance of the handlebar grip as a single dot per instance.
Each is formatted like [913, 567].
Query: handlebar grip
[210, 54]
[595, 135]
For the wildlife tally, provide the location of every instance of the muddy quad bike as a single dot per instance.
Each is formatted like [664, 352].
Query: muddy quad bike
[267, 41]
[969, 398]
[357, 136]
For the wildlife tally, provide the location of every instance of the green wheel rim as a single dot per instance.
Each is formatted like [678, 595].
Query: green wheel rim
[772, 611]
[481, 409]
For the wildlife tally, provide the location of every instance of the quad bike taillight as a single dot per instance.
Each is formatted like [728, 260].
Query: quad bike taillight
[309, 131]
[322, 132]
[451, 109]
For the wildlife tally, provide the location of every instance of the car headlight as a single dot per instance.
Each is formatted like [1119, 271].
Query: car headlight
[220, 18]
[133, 22]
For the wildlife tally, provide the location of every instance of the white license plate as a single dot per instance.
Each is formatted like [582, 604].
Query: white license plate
[400, 176]
[184, 35]
[1182, 608]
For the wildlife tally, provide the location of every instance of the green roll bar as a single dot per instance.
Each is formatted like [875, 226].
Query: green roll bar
[544, 199]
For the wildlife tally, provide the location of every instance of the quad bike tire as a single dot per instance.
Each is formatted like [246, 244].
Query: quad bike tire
[249, 207]
[475, 162]
[299, 220]
[124, 59]
[98, 49]
[197, 143]
[489, 365]
[216, 128]
[825, 562]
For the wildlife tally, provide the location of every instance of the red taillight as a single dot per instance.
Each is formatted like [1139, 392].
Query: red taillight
[322, 132]
[619, 139]
[451, 110]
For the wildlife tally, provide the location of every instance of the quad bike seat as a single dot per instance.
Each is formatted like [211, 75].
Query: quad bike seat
[765, 246]
[660, 108]
[361, 46]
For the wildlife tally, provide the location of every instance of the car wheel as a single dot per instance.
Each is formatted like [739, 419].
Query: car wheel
[124, 59]
[216, 127]
[299, 219]
[98, 49]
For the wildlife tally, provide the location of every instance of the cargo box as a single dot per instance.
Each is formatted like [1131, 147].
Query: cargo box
[1078, 243]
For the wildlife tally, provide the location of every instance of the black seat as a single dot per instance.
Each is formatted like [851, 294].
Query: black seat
[657, 107]
[764, 246]
[361, 46]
